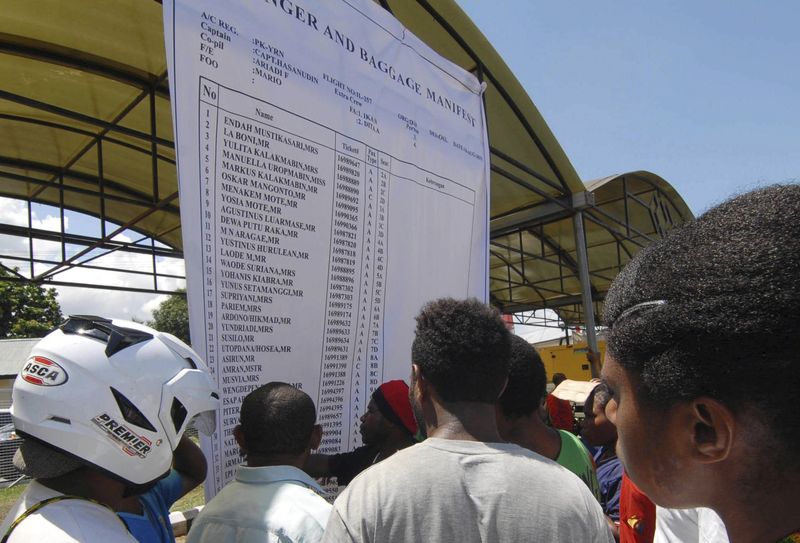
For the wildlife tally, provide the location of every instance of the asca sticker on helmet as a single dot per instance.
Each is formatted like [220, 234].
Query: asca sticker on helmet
[43, 372]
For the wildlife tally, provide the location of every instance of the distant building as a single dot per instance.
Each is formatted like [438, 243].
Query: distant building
[13, 354]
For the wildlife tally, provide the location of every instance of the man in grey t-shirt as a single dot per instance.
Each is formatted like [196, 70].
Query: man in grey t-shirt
[463, 484]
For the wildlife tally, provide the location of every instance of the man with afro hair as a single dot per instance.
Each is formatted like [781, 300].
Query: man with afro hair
[463, 483]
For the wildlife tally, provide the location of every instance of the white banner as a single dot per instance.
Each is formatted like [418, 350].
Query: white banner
[333, 178]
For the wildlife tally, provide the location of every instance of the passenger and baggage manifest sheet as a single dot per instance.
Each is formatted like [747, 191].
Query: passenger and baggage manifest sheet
[333, 176]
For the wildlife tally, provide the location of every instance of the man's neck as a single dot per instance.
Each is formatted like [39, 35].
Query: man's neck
[777, 506]
[262, 461]
[91, 484]
[468, 421]
[533, 434]
[769, 528]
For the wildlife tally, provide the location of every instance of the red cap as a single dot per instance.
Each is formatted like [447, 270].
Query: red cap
[392, 401]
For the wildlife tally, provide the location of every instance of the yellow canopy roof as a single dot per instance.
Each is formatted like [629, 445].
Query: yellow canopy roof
[534, 262]
[84, 104]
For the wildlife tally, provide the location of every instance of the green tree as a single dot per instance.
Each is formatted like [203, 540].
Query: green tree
[172, 316]
[27, 309]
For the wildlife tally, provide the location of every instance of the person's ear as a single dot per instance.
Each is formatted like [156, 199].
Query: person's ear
[713, 430]
[316, 437]
[238, 434]
[611, 411]
[418, 382]
[503, 389]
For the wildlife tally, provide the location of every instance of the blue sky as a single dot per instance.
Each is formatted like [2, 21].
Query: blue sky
[704, 94]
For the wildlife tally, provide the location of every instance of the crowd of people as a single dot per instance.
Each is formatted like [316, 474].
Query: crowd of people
[681, 440]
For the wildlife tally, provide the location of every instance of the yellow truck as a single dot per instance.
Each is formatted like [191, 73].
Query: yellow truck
[569, 360]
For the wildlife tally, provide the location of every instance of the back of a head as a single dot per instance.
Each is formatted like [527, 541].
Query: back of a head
[527, 381]
[114, 395]
[462, 348]
[712, 308]
[558, 378]
[393, 402]
[277, 419]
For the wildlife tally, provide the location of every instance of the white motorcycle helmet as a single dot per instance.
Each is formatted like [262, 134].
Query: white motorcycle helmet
[117, 395]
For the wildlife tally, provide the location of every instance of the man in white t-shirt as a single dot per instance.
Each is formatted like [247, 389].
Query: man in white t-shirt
[463, 483]
[101, 405]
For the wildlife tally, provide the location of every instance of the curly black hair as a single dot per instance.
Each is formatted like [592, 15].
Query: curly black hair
[277, 418]
[462, 348]
[558, 378]
[712, 309]
[527, 381]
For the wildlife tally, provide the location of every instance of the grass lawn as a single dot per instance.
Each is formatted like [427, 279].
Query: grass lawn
[192, 499]
[8, 496]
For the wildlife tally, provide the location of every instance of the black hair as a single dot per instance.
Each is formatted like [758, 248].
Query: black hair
[713, 307]
[277, 418]
[462, 348]
[527, 381]
[559, 378]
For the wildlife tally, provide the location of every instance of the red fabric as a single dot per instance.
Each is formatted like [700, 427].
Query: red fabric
[560, 413]
[637, 514]
[396, 395]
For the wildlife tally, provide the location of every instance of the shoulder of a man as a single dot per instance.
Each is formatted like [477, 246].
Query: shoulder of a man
[166, 492]
[583, 517]
[431, 457]
[394, 466]
[573, 444]
[66, 520]
[367, 492]
[291, 509]
[396, 484]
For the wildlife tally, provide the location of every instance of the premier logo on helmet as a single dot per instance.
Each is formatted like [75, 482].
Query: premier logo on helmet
[126, 439]
[43, 372]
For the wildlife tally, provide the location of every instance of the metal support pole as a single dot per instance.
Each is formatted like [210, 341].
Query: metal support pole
[586, 287]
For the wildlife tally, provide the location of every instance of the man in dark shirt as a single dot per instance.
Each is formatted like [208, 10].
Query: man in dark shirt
[387, 426]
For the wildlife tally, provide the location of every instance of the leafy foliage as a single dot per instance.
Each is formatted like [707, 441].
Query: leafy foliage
[172, 316]
[27, 309]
